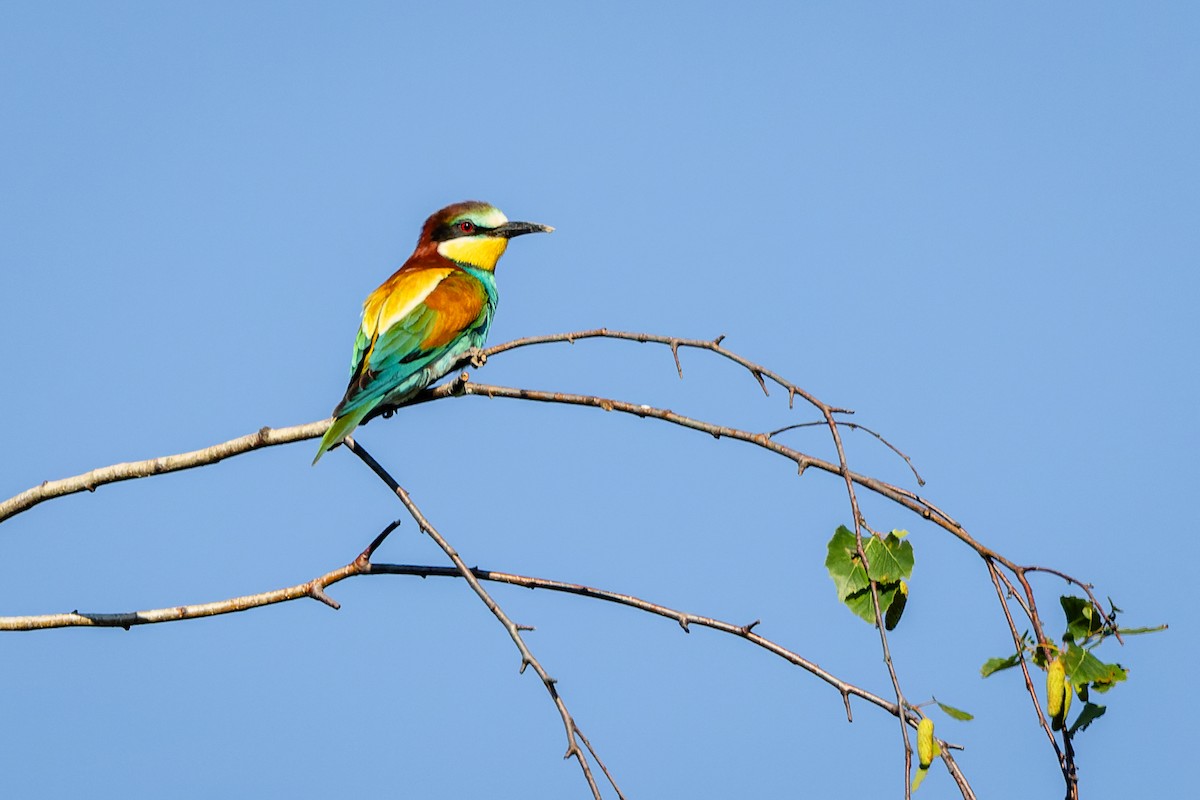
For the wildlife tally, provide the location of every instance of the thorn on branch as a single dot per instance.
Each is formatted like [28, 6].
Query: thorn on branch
[525, 627]
[675, 352]
[717, 341]
[525, 662]
[683, 623]
[317, 592]
[747, 628]
[791, 397]
[846, 701]
[761, 383]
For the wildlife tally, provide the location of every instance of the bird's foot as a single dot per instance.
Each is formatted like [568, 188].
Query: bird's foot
[477, 357]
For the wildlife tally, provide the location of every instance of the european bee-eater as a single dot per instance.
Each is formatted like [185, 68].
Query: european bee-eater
[434, 310]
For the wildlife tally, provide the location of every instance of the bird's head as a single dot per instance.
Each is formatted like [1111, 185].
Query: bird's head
[473, 233]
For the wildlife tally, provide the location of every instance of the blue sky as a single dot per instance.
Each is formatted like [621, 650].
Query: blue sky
[976, 227]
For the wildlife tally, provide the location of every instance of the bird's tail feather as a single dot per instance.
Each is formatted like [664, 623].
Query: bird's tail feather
[341, 428]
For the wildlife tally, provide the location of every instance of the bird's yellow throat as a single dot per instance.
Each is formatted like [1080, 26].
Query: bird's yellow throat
[478, 251]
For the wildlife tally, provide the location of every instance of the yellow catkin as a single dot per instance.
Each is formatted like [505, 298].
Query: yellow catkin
[1056, 679]
[925, 742]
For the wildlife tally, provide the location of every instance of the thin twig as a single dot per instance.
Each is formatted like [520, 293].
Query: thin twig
[856, 426]
[527, 657]
[1067, 768]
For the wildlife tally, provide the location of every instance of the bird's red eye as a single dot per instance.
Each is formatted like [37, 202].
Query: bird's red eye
[466, 226]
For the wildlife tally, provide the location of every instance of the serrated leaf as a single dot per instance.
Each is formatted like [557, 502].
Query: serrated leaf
[955, 713]
[1083, 667]
[1091, 712]
[844, 565]
[994, 665]
[891, 558]
[1083, 622]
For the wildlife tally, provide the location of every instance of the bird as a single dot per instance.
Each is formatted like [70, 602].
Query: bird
[429, 314]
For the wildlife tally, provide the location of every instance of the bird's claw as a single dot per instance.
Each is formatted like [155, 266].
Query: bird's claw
[477, 357]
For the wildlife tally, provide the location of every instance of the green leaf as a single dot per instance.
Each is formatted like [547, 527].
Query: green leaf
[860, 602]
[1091, 712]
[1083, 622]
[918, 778]
[891, 558]
[993, 665]
[1083, 667]
[955, 713]
[1136, 631]
[844, 565]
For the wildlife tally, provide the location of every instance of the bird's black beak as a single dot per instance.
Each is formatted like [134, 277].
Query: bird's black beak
[510, 229]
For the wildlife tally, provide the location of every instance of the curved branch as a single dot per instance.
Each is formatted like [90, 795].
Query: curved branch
[461, 385]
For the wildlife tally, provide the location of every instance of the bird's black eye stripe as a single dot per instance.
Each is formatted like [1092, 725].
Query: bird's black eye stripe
[458, 229]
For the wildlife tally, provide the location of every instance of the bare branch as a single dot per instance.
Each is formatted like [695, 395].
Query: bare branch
[527, 657]
[314, 588]
[90, 481]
